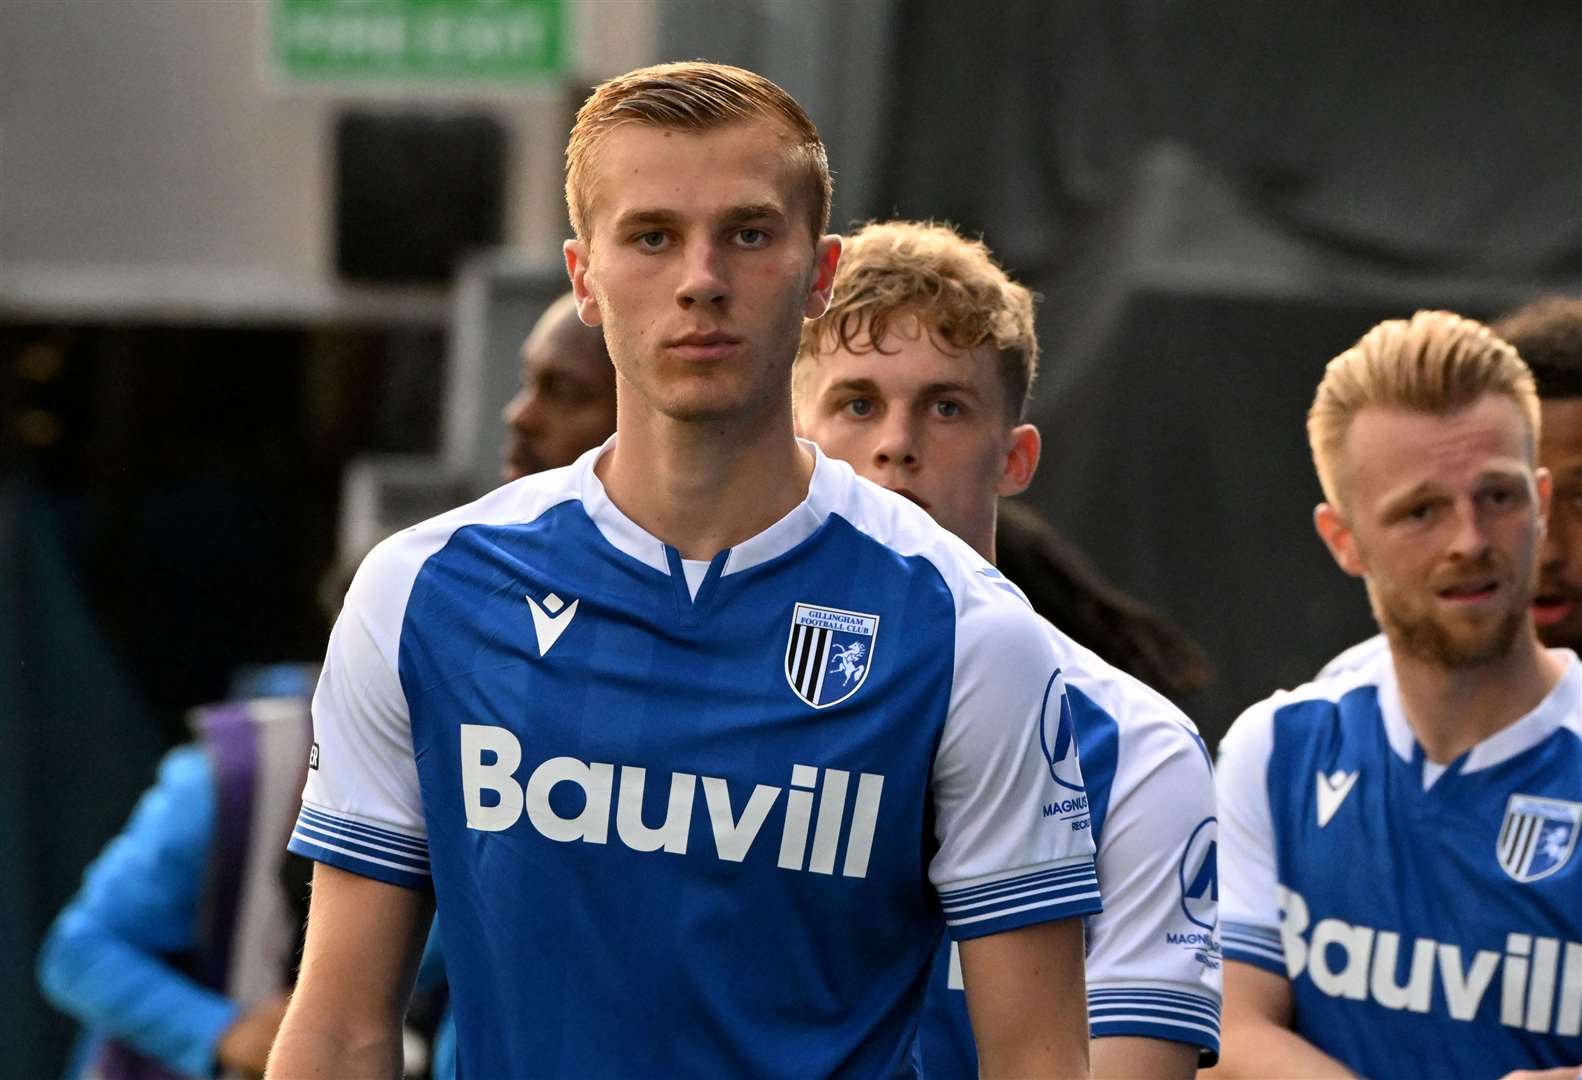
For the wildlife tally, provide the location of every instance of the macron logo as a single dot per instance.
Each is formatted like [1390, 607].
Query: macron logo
[551, 620]
[1332, 791]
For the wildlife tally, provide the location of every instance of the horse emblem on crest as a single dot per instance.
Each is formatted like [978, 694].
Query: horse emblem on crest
[829, 653]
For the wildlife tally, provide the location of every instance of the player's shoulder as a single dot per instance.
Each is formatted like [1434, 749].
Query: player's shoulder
[394, 562]
[1152, 728]
[1361, 657]
[907, 530]
[1569, 693]
[1312, 707]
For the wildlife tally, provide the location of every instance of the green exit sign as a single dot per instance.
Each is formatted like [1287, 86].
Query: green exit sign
[418, 40]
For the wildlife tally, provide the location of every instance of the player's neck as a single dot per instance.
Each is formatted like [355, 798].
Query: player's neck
[987, 545]
[705, 487]
[1451, 710]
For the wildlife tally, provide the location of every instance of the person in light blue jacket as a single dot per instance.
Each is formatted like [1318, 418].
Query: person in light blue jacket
[178, 951]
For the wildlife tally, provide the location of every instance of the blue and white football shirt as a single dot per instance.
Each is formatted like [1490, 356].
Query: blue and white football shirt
[1153, 954]
[1429, 917]
[701, 820]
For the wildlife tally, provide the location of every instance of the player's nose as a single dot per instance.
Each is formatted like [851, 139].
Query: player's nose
[897, 440]
[521, 411]
[702, 275]
[1469, 533]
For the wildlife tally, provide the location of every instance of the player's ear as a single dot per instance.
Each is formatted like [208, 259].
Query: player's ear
[576, 252]
[826, 257]
[1338, 538]
[1021, 460]
[1544, 480]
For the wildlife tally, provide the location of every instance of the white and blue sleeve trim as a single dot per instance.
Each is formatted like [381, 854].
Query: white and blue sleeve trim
[1155, 1012]
[1008, 901]
[370, 850]
[1253, 944]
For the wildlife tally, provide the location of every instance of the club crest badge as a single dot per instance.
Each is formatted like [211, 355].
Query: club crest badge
[829, 653]
[1537, 837]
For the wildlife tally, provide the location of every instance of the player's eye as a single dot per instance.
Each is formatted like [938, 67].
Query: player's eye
[859, 406]
[1503, 496]
[752, 238]
[948, 409]
[654, 240]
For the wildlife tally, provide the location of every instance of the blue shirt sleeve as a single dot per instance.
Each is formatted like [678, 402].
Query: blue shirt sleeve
[104, 960]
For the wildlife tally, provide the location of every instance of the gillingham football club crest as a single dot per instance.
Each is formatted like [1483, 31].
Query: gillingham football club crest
[1537, 837]
[829, 653]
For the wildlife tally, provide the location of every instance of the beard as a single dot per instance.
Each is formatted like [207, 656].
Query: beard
[1421, 632]
[1424, 636]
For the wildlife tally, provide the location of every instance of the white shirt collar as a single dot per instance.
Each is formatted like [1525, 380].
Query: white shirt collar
[627, 536]
[1561, 707]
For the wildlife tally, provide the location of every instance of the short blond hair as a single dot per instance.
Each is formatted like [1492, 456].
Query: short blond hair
[1435, 362]
[693, 96]
[951, 284]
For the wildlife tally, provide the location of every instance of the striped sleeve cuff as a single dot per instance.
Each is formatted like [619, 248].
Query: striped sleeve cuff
[1157, 1013]
[370, 850]
[1252, 944]
[1000, 902]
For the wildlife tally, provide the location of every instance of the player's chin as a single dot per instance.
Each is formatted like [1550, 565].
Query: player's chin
[1566, 634]
[701, 401]
[520, 460]
[1485, 642]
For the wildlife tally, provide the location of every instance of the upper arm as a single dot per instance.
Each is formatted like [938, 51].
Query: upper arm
[1258, 1037]
[1153, 957]
[1010, 812]
[358, 964]
[1131, 1056]
[1025, 998]
[362, 807]
[1248, 875]
[1255, 995]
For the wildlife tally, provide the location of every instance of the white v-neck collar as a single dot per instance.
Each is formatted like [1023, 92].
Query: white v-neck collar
[627, 536]
[1559, 708]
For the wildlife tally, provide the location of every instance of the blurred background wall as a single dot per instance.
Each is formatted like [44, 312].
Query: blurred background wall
[252, 318]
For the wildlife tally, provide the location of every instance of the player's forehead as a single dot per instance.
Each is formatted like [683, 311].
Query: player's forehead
[1392, 452]
[1560, 432]
[644, 172]
[909, 357]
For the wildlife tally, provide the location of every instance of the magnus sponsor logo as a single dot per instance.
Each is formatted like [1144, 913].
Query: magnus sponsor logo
[1536, 980]
[1198, 874]
[491, 757]
[1057, 737]
[1065, 808]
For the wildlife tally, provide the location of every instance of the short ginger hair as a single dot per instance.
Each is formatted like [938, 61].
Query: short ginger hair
[693, 96]
[1435, 362]
[952, 285]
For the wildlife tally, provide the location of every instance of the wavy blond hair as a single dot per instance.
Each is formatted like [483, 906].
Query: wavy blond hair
[1435, 362]
[952, 285]
[693, 96]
